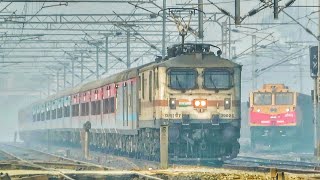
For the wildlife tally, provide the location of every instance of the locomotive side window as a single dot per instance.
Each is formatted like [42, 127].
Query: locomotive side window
[284, 98]
[182, 79]
[262, 99]
[217, 79]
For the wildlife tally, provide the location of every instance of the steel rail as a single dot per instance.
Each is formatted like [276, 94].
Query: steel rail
[36, 165]
[83, 162]
[261, 164]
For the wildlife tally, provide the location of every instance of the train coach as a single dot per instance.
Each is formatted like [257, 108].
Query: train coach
[193, 90]
[280, 119]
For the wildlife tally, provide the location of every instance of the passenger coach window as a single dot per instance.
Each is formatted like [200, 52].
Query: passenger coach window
[38, 116]
[93, 108]
[34, 117]
[182, 78]
[217, 79]
[54, 114]
[262, 99]
[112, 104]
[42, 116]
[66, 111]
[284, 98]
[75, 110]
[106, 106]
[60, 112]
[87, 109]
[48, 115]
[96, 107]
[83, 109]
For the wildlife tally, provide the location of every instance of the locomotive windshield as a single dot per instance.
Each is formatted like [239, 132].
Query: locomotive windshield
[284, 98]
[182, 78]
[217, 79]
[262, 99]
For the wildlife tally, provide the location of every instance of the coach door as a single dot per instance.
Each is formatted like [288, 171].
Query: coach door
[119, 105]
[130, 103]
[125, 104]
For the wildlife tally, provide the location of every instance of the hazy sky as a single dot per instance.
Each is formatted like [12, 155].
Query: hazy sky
[274, 52]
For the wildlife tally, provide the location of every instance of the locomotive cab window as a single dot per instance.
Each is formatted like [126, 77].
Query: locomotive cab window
[182, 79]
[284, 98]
[262, 98]
[217, 79]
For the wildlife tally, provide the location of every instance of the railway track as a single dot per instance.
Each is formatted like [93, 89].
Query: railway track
[244, 163]
[265, 165]
[251, 164]
[18, 157]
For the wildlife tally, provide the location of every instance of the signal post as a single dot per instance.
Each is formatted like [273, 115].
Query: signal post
[315, 73]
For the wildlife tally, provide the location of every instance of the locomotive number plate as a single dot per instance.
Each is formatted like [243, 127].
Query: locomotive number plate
[226, 115]
[174, 116]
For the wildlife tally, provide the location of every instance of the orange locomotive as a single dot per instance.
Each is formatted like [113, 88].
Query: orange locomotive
[280, 117]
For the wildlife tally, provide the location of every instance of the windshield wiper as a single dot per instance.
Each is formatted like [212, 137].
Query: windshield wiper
[212, 81]
[177, 79]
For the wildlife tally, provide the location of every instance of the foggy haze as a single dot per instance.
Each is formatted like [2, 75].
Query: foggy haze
[294, 74]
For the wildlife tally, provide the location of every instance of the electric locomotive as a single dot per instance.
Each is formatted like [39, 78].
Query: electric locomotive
[280, 119]
[193, 90]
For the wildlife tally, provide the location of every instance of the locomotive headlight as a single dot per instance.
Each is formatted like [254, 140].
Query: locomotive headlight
[203, 103]
[200, 103]
[258, 110]
[197, 103]
[227, 103]
[288, 109]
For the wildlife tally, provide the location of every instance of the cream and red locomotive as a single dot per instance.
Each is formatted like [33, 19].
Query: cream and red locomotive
[280, 118]
[193, 90]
